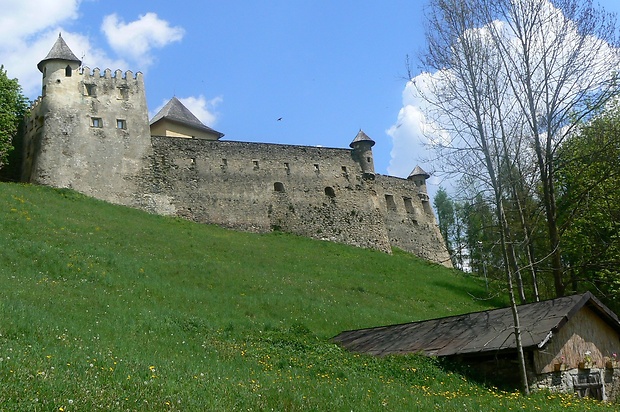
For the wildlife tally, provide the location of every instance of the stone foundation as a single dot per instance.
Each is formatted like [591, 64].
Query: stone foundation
[600, 383]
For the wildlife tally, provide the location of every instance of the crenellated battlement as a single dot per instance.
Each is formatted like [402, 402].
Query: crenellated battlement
[35, 104]
[107, 74]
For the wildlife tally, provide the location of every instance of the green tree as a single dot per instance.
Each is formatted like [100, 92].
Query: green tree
[13, 107]
[445, 217]
[589, 204]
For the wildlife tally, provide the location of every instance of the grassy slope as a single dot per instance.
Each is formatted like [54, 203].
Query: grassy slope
[104, 307]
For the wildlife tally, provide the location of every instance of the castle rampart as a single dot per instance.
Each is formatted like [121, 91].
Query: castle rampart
[311, 191]
[90, 132]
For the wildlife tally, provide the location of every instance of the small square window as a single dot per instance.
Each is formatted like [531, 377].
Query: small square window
[96, 122]
[90, 90]
[123, 93]
[121, 124]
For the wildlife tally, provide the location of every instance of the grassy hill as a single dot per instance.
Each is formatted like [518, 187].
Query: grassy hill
[108, 308]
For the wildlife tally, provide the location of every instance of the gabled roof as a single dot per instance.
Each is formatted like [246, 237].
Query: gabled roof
[475, 333]
[59, 51]
[175, 111]
[361, 137]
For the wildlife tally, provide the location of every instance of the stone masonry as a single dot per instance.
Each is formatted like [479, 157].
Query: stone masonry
[89, 131]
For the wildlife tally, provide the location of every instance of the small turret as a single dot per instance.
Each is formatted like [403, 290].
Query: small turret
[419, 176]
[59, 64]
[362, 153]
[59, 52]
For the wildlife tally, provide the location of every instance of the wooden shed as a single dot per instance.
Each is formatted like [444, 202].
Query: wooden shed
[570, 343]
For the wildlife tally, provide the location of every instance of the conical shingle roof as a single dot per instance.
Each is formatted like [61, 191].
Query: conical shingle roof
[418, 171]
[60, 51]
[361, 137]
[175, 111]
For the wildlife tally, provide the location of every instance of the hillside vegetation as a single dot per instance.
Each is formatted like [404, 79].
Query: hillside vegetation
[108, 308]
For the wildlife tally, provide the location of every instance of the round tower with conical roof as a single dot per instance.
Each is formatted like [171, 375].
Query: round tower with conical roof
[88, 130]
[362, 154]
[419, 177]
[58, 67]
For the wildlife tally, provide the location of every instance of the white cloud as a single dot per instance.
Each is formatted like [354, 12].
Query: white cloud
[419, 125]
[203, 109]
[23, 64]
[413, 132]
[29, 28]
[22, 18]
[136, 39]
[26, 38]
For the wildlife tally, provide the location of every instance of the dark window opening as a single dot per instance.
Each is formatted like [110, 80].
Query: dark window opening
[390, 203]
[427, 207]
[287, 168]
[316, 167]
[329, 192]
[278, 187]
[123, 93]
[224, 164]
[68, 71]
[96, 122]
[90, 89]
[409, 205]
[255, 163]
[368, 159]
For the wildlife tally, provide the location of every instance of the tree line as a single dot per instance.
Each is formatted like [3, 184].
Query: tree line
[515, 94]
[13, 107]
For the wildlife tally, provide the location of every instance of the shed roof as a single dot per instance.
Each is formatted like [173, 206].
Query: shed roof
[59, 51]
[475, 333]
[175, 111]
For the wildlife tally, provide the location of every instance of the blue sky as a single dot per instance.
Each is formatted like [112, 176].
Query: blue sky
[327, 68]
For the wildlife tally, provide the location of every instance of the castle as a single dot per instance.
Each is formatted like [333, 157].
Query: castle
[89, 131]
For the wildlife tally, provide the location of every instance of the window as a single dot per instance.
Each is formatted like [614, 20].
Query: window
[96, 122]
[68, 71]
[389, 201]
[278, 187]
[329, 192]
[409, 205]
[121, 124]
[123, 93]
[90, 90]
[255, 163]
[316, 167]
[287, 167]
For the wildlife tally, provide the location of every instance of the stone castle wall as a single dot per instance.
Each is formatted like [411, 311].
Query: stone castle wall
[410, 220]
[310, 191]
[316, 192]
[66, 147]
[90, 132]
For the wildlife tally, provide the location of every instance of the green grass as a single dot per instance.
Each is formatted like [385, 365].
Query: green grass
[108, 308]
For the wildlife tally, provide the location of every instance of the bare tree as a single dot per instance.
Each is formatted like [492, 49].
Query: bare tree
[510, 81]
[466, 100]
[562, 59]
